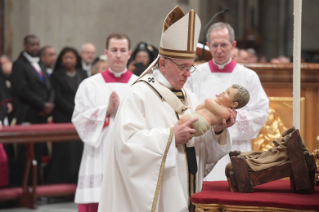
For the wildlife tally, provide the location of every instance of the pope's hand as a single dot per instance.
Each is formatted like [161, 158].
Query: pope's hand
[224, 124]
[184, 132]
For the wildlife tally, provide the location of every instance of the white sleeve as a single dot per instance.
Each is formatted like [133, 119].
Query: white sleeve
[217, 145]
[88, 118]
[171, 155]
[252, 117]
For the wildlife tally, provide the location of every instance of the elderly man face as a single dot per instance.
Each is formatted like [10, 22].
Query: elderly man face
[173, 71]
[88, 53]
[220, 46]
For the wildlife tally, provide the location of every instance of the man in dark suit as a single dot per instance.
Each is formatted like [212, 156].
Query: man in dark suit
[33, 96]
[30, 85]
[48, 58]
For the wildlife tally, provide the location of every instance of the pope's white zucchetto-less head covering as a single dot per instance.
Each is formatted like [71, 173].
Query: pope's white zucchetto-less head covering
[179, 36]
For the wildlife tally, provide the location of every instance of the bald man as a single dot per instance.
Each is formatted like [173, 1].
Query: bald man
[87, 56]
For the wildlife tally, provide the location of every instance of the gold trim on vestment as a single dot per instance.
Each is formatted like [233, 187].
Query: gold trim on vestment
[161, 173]
[234, 208]
[193, 189]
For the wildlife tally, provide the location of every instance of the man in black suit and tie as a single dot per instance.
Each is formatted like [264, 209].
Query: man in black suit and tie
[47, 56]
[33, 96]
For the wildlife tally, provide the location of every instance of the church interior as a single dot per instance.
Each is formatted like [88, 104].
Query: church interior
[263, 28]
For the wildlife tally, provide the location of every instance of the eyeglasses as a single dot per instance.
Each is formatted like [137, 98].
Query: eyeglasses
[222, 46]
[184, 69]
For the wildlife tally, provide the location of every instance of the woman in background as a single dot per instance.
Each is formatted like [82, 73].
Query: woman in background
[100, 65]
[66, 77]
[141, 58]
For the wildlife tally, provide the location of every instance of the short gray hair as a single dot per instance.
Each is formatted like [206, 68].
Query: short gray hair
[219, 26]
[87, 44]
[242, 97]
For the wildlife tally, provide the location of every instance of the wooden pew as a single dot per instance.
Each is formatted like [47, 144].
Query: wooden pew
[28, 135]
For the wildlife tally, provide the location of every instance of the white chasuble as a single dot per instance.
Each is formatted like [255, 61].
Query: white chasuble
[208, 80]
[135, 176]
[94, 128]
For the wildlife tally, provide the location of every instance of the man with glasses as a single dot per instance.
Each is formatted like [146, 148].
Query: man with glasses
[153, 162]
[87, 56]
[213, 77]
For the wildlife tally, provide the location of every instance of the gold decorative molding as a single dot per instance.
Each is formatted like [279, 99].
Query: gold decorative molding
[237, 208]
[280, 118]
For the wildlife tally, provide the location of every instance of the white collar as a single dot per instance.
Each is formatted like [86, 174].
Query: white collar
[30, 58]
[161, 78]
[117, 74]
[49, 70]
[73, 74]
[86, 66]
[222, 66]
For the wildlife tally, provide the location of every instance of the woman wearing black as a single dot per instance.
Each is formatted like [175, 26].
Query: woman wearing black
[141, 58]
[66, 77]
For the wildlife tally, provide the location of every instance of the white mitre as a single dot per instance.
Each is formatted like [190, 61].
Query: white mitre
[179, 37]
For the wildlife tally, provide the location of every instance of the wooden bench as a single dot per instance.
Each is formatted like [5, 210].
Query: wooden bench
[28, 135]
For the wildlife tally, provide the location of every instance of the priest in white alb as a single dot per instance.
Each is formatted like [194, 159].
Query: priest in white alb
[96, 104]
[213, 77]
[153, 163]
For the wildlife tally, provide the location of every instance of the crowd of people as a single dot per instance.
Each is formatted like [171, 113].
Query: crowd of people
[135, 154]
[40, 87]
[251, 56]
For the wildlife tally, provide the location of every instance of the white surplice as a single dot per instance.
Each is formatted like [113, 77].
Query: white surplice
[91, 104]
[250, 119]
[143, 132]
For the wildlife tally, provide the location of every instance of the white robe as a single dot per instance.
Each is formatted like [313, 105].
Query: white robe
[250, 119]
[91, 102]
[142, 131]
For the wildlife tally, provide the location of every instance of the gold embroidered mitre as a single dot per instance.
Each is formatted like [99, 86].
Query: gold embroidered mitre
[180, 35]
[179, 38]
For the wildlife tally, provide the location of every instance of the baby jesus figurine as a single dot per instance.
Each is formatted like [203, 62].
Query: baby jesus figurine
[213, 111]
